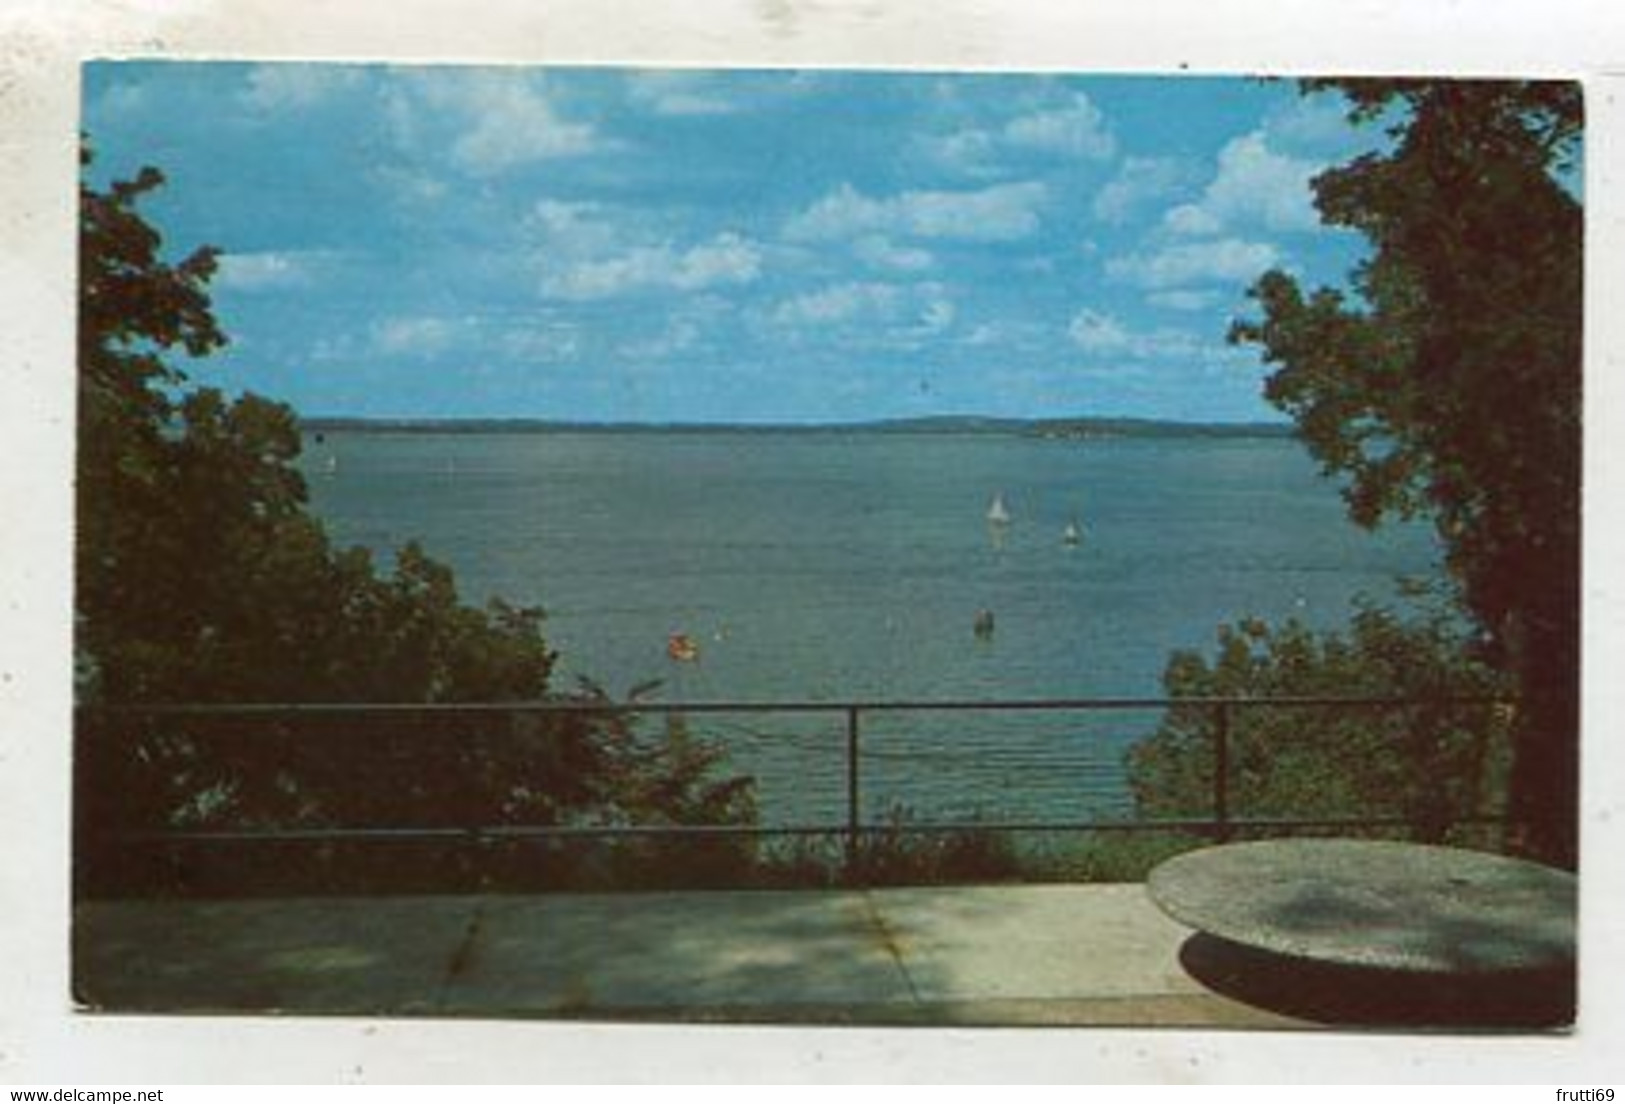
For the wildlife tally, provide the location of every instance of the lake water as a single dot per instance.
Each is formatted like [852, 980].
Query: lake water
[851, 566]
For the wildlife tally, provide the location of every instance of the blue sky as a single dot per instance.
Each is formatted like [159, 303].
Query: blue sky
[762, 246]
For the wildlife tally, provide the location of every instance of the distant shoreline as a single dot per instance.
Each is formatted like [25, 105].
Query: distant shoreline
[951, 425]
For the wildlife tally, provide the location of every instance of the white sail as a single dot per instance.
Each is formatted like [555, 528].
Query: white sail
[997, 513]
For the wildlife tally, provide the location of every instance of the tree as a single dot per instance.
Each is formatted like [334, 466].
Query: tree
[1433, 764]
[1447, 380]
[201, 574]
[202, 577]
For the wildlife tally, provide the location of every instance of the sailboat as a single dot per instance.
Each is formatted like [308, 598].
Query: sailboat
[997, 513]
[1073, 533]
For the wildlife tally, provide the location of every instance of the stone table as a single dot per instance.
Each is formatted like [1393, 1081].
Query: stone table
[1384, 905]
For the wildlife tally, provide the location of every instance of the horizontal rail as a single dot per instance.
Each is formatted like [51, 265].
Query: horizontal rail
[882, 705]
[634, 831]
[855, 829]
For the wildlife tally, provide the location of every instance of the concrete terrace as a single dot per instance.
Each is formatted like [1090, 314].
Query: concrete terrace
[1017, 955]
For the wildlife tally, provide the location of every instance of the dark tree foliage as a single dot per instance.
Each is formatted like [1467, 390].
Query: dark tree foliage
[1433, 765]
[202, 577]
[1448, 382]
[201, 574]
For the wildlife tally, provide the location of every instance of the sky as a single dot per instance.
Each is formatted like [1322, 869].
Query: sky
[602, 244]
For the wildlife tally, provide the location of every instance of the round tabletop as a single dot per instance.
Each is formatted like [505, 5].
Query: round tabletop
[1400, 906]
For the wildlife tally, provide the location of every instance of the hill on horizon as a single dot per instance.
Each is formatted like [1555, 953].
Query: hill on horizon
[1075, 427]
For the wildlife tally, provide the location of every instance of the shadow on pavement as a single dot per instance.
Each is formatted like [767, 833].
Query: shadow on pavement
[1381, 998]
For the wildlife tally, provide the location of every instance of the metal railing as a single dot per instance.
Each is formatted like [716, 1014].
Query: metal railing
[853, 827]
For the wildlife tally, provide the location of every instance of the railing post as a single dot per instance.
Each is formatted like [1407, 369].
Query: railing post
[853, 823]
[1221, 770]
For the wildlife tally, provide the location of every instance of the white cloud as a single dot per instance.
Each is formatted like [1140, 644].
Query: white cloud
[1317, 123]
[639, 269]
[120, 101]
[1008, 333]
[880, 251]
[674, 93]
[883, 313]
[554, 342]
[412, 335]
[1191, 220]
[1000, 213]
[521, 130]
[1255, 181]
[292, 86]
[480, 121]
[968, 151]
[260, 271]
[1077, 129]
[844, 212]
[1184, 299]
[399, 113]
[408, 186]
[1178, 264]
[838, 303]
[573, 228]
[1003, 212]
[1103, 337]
[1140, 181]
[1098, 333]
[334, 349]
[1072, 127]
[1254, 185]
[727, 258]
[679, 335]
[595, 251]
[937, 315]
[501, 119]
